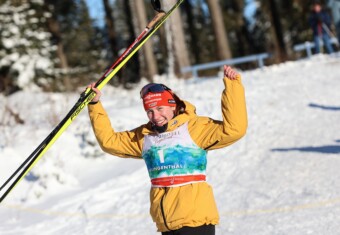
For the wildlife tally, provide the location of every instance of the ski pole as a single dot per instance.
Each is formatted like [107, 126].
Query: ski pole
[88, 94]
[330, 34]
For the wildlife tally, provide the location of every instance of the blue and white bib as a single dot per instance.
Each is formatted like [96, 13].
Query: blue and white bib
[173, 158]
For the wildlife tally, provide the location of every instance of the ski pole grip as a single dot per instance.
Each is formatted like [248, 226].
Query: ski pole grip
[155, 19]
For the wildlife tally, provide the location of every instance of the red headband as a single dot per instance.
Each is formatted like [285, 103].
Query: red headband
[165, 98]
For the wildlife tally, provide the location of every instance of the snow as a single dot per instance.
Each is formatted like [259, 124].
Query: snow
[282, 178]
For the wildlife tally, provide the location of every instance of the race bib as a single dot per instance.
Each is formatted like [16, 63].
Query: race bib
[172, 158]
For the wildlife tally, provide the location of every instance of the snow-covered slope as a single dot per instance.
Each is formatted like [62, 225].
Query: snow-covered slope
[282, 178]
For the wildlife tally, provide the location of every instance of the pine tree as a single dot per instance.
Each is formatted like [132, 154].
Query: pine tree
[26, 51]
[82, 41]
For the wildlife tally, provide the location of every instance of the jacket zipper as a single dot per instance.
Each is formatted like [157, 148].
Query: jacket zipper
[211, 145]
[162, 209]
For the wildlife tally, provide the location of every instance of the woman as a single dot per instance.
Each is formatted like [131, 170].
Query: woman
[174, 145]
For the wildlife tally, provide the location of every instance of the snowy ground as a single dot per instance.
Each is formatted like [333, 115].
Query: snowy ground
[283, 177]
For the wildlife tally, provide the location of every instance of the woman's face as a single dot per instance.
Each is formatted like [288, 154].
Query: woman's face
[160, 115]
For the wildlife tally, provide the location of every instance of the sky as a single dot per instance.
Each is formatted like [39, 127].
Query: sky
[281, 178]
[96, 9]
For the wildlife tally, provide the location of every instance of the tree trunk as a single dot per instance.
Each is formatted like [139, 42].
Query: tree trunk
[240, 28]
[275, 18]
[192, 32]
[54, 28]
[179, 46]
[223, 49]
[110, 28]
[149, 64]
[130, 72]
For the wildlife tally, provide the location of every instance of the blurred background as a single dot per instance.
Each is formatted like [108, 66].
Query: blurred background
[61, 45]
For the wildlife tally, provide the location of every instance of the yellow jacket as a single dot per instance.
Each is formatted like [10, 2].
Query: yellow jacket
[193, 204]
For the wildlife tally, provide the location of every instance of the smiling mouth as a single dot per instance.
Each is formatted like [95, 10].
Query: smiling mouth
[160, 123]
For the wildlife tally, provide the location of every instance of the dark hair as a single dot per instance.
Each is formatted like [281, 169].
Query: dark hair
[180, 105]
[316, 2]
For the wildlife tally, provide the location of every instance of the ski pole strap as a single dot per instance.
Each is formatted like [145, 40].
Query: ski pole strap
[155, 20]
[177, 180]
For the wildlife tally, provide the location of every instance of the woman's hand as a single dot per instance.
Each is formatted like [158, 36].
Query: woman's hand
[230, 73]
[96, 90]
